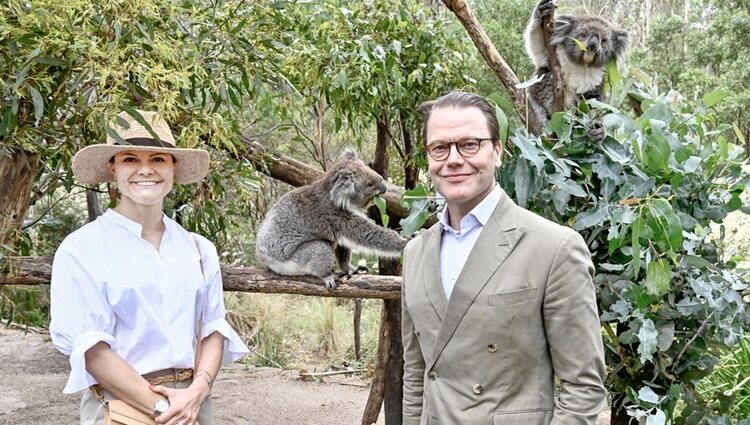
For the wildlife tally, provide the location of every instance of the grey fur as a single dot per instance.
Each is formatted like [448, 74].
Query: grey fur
[583, 72]
[306, 226]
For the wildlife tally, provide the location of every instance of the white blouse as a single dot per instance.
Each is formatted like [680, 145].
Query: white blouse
[109, 284]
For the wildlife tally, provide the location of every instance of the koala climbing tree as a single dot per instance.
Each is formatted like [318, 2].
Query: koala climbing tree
[312, 227]
[584, 46]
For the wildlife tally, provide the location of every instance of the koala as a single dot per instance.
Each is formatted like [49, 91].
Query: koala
[313, 226]
[582, 70]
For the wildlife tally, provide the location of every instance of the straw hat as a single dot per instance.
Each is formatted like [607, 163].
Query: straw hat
[91, 164]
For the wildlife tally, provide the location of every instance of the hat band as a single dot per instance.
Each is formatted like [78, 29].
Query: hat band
[145, 141]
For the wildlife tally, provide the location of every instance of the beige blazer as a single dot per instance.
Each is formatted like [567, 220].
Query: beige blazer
[522, 312]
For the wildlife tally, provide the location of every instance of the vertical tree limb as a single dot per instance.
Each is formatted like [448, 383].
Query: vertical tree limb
[492, 57]
[548, 25]
[17, 172]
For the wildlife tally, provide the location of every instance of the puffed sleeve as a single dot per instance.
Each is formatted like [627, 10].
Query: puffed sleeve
[214, 313]
[81, 317]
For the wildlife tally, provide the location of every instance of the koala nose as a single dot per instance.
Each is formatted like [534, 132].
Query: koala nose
[593, 43]
[382, 187]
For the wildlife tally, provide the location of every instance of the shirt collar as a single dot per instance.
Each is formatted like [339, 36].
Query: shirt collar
[131, 226]
[481, 213]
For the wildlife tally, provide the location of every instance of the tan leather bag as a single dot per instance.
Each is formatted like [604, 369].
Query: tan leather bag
[117, 412]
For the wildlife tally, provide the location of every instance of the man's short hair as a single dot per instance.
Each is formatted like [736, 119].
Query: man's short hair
[461, 99]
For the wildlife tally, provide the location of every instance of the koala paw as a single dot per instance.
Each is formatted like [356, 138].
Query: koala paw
[597, 130]
[544, 8]
[345, 275]
[330, 281]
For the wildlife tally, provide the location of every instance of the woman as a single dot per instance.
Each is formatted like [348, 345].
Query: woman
[131, 290]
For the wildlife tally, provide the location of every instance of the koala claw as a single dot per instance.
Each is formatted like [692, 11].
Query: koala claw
[330, 282]
[545, 7]
[348, 274]
[597, 130]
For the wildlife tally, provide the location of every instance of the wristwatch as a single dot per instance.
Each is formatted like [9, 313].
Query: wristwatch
[160, 407]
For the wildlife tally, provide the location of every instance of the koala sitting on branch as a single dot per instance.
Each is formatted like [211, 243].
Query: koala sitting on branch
[313, 226]
[582, 66]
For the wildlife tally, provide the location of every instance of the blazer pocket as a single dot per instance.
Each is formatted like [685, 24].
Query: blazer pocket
[513, 297]
[526, 417]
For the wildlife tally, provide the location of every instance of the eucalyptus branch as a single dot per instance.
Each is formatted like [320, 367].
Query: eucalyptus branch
[50, 209]
[692, 340]
[618, 347]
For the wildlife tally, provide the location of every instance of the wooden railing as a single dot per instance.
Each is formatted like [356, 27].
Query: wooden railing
[388, 367]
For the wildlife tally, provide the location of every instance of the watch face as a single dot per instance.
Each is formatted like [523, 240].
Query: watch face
[161, 406]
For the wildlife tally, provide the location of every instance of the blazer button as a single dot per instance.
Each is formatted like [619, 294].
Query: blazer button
[432, 375]
[477, 389]
[492, 348]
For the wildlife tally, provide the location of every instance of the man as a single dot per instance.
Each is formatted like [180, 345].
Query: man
[497, 301]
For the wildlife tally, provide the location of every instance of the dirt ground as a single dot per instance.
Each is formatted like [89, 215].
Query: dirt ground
[34, 373]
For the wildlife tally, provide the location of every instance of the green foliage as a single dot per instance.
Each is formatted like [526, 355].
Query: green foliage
[369, 60]
[728, 388]
[643, 199]
[66, 68]
[305, 332]
[703, 51]
[25, 306]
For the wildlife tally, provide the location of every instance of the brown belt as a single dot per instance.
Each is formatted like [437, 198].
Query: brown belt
[168, 375]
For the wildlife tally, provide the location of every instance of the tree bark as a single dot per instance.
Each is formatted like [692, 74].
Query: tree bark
[357, 327]
[411, 172]
[38, 270]
[92, 205]
[378, 384]
[389, 367]
[17, 172]
[548, 24]
[383, 140]
[491, 56]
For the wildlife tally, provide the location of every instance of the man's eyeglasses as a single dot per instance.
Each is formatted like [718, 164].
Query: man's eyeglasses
[466, 148]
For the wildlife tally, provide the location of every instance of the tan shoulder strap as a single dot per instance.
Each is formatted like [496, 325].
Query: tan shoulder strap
[200, 318]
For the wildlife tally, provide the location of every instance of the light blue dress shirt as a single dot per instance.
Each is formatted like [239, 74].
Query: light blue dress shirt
[455, 246]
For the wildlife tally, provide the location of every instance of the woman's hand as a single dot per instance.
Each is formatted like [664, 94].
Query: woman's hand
[184, 403]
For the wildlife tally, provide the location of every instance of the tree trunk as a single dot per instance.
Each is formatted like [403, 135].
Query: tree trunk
[394, 379]
[357, 328]
[380, 162]
[411, 172]
[496, 62]
[387, 383]
[17, 172]
[618, 415]
[548, 24]
[92, 205]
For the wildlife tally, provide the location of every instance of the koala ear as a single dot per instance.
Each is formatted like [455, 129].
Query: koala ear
[564, 26]
[564, 23]
[349, 154]
[621, 38]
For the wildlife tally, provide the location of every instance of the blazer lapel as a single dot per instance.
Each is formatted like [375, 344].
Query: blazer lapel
[431, 271]
[493, 246]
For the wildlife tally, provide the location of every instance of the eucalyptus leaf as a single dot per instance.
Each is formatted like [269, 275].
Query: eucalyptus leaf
[658, 276]
[714, 97]
[648, 395]
[530, 82]
[380, 203]
[647, 335]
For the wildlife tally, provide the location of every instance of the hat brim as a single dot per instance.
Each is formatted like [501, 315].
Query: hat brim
[91, 164]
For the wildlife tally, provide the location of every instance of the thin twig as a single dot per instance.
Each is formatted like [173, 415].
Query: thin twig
[697, 333]
[330, 373]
